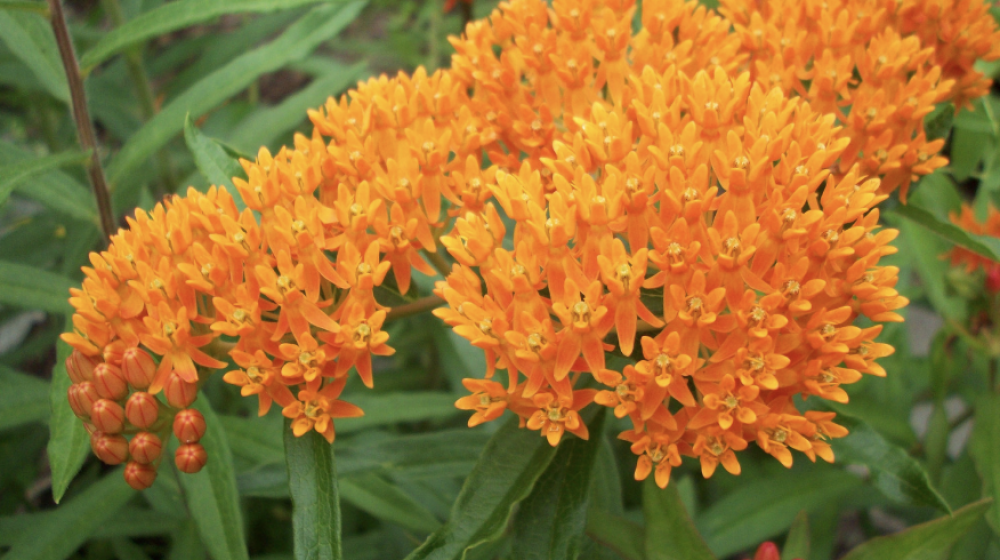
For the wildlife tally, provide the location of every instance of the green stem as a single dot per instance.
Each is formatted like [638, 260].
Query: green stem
[419, 306]
[84, 126]
[144, 91]
[438, 262]
[433, 50]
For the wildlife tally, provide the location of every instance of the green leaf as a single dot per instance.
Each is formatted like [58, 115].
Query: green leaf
[214, 163]
[985, 449]
[371, 493]
[893, 471]
[27, 287]
[391, 408]
[939, 122]
[172, 16]
[12, 176]
[23, 398]
[300, 39]
[54, 190]
[267, 125]
[617, 533]
[928, 541]
[507, 470]
[69, 443]
[315, 500]
[73, 523]
[26, 5]
[797, 543]
[211, 493]
[29, 37]
[671, 534]
[983, 245]
[765, 509]
[550, 522]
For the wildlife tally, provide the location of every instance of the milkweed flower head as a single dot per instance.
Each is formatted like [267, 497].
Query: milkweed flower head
[653, 192]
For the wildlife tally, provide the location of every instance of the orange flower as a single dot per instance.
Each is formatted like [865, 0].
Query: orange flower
[316, 410]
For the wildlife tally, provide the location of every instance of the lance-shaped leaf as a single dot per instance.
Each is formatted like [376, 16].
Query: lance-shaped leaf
[29, 37]
[613, 531]
[550, 522]
[670, 533]
[797, 543]
[69, 443]
[505, 474]
[172, 16]
[983, 245]
[893, 471]
[28, 287]
[985, 448]
[13, 175]
[312, 483]
[211, 493]
[928, 541]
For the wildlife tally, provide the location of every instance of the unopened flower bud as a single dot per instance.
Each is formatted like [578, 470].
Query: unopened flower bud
[189, 426]
[993, 279]
[109, 448]
[81, 367]
[110, 382]
[142, 409]
[138, 367]
[179, 393]
[767, 551]
[139, 476]
[113, 352]
[145, 448]
[190, 457]
[82, 397]
[108, 416]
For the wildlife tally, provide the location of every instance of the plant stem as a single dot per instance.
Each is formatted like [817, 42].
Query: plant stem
[419, 306]
[438, 262]
[84, 126]
[144, 91]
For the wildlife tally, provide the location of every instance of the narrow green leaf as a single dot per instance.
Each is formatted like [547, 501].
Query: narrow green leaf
[985, 449]
[671, 534]
[928, 541]
[617, 533]
[12, 176]
[301, 38]
[73, 523]
[28, 287]
[69, 443]
[315, 499]
[54, 190]
[29, 37]
[797, 543]
[550, 522]
[507, 470]
[939, 122]
[213, 161]
[983, 245]
[391, 408]
[172, 16]
[211, 493]
[765, 509]
[23, 398]
[25, 5]
[893, 471]
[185, 543]
[265, 126]
[371, 493]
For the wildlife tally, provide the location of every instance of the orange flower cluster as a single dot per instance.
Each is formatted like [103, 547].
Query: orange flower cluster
[659, 184]
[880, 66]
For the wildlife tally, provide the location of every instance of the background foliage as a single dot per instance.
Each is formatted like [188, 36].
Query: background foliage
[179, 89]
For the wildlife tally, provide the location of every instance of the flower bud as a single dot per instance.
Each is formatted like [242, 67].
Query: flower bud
[190, 457]
[142, 409]
[179, 393]
[139, 476]
[108, 416]
[82, 397]
[81, 367]
[767, 551]
[113, 352]
[993, 279]
[189, 426]
[110, 382]
[145, 448]
[109, 448]
[138, 367]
